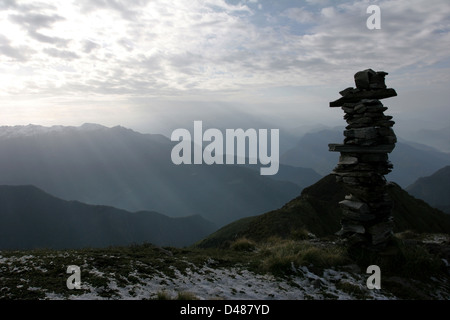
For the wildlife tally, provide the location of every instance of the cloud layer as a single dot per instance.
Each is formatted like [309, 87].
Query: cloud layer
[142, 49]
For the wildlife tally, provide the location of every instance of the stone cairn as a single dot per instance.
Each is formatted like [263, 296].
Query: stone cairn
[363, 162]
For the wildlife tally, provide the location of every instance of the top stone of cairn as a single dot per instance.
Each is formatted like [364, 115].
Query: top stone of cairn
[370, 80]
[369, 85]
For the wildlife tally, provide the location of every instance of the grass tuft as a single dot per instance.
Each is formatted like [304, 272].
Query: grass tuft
[284, 256]
[184, 295]
[243, 244]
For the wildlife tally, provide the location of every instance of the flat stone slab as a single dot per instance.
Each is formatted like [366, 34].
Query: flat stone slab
[358, 217]
[347, 160]
[382, 231]
[362, 133]
[348, 227]
[387, 148]
[359, 95]
[361, 207]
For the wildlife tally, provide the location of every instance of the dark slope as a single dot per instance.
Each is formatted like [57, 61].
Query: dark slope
[31, 218]
[434, 189]
[316, 210]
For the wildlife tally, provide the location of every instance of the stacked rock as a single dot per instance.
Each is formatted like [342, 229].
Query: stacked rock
[364, 160]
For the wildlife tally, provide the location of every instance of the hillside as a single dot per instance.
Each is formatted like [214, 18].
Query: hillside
[316, 211]
[434, 189]
[31, 218]
[125, 169]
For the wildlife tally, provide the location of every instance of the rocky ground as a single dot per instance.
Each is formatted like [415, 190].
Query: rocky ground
[149, 272]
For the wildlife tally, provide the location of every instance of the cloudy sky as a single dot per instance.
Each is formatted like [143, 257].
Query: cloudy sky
[154, 65]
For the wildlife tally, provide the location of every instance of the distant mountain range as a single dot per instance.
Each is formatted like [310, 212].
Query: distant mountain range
[317, 211]
[120, 186]
[125, 169]
[31, 218]
[436, 138]
[434, 189]
[411, 161]
[311, 151]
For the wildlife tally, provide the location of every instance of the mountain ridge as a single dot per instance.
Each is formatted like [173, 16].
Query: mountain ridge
[434, 189]
[133, 171]
[31, 218]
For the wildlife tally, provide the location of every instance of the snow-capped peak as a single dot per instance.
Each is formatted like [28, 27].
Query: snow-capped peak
[7, 132]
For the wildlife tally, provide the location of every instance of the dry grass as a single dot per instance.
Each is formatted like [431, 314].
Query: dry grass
[283, 256]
